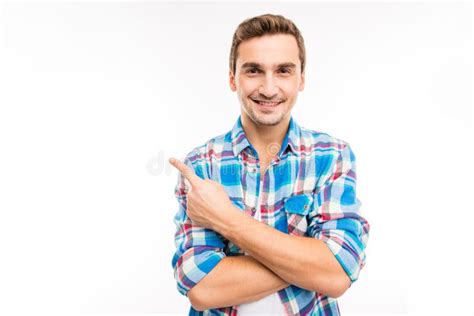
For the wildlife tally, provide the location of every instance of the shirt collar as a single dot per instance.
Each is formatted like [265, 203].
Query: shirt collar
[292, 138]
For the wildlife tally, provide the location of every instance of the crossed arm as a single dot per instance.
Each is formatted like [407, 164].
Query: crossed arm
[275, 261]
[235, 280]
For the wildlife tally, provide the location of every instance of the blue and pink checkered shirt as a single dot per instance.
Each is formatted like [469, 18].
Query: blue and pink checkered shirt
[308, 190]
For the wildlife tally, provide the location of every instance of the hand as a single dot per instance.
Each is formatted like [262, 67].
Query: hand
[208, 204]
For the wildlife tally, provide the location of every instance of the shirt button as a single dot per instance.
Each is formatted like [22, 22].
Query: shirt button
[253, 170]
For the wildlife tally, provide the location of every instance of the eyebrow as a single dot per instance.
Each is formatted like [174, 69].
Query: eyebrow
[257, 65]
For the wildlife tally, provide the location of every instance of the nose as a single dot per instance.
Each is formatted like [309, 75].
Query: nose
[268, 87]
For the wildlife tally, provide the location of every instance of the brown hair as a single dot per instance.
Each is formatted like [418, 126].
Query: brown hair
[262, 25]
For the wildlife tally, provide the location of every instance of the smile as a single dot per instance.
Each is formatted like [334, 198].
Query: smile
[266, 104]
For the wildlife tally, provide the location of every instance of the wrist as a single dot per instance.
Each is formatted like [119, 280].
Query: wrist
[232, 223]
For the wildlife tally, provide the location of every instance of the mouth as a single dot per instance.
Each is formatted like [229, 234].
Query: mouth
[266, 104]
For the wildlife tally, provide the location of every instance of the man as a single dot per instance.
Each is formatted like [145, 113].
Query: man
[268, 217]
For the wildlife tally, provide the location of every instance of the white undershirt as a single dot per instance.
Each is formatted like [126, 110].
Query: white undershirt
[268, 305]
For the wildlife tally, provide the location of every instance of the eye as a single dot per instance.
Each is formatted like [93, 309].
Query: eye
[252, 70]
[285, 70]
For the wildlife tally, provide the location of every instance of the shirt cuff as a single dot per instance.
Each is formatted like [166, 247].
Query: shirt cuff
[194, 265]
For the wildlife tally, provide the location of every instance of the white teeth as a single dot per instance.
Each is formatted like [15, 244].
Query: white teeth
[268, 103]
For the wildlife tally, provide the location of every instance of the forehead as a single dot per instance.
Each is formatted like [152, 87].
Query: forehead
[269, 50]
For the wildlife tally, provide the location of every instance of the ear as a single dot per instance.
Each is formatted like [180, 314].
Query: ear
[302, 81]
[232, 84]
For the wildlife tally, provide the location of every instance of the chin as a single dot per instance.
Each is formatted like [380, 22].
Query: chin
[268, 119]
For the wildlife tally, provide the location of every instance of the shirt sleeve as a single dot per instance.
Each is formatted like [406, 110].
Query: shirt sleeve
[336, 217]
[198, 249]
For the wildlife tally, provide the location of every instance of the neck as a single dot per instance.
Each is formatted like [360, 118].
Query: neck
[262, 137]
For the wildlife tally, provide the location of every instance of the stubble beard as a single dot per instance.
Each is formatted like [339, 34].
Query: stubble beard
[262, 119]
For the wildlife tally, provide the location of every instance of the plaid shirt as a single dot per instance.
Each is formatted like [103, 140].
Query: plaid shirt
[309, 189]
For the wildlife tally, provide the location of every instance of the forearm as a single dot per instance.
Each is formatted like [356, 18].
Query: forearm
[288, 255]
[235, 280]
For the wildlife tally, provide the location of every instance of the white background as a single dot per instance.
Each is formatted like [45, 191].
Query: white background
[94, 98]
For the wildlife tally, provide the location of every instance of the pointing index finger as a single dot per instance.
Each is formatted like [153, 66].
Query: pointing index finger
[187, 172]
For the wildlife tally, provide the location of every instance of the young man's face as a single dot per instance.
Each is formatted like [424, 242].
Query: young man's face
[268, 68]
